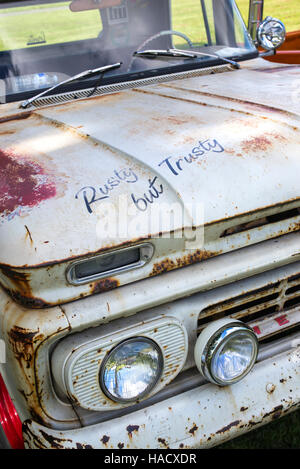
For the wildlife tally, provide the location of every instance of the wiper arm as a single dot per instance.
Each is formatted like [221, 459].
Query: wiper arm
[216, 56]
[177, 53]
[168, 53]
[79, 76]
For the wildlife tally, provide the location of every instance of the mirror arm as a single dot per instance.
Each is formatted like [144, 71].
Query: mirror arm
[256, 11]
[267, 53]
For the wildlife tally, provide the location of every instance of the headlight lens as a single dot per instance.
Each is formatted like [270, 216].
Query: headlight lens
[271, 33]
[226, 351]
[131, 370]
[233, 358]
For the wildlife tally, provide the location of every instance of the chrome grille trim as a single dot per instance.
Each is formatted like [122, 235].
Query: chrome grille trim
[268, 302]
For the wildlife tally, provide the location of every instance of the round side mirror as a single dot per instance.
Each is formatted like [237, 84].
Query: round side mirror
[271, 33]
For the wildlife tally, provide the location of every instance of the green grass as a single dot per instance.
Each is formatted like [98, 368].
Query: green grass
[187, 20]
[280, 434]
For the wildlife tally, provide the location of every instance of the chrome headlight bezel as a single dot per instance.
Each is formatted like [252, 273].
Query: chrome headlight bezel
[264, 30]
[212, 339]
[150, 387]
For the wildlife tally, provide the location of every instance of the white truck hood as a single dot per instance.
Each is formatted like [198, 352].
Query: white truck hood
[228, 141]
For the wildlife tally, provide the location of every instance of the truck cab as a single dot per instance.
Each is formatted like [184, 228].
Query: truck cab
[149, 224]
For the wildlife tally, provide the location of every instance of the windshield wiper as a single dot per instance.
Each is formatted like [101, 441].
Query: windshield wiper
[216, 56]
[79, 76]
[177, 53]
[173, 53]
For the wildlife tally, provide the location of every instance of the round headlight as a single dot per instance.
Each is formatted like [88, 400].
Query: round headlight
[225, 351]
[271, 33]
[131, 370]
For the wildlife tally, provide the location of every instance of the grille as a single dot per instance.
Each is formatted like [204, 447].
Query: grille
[268, 301]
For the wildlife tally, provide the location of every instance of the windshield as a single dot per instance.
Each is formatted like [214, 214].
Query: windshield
[44, 42]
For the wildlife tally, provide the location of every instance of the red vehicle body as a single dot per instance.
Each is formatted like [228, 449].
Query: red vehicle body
[289, 52]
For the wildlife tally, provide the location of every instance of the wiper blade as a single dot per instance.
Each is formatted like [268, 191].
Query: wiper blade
[216, 56]
[173, 53]
[79, 76]
[178, 53]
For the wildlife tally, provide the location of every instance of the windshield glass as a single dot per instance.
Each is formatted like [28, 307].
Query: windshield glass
[44, 42]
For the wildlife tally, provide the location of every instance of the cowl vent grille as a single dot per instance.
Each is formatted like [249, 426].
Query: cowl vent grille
[117, 87]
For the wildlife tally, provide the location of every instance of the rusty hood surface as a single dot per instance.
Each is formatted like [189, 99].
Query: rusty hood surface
[229, 141]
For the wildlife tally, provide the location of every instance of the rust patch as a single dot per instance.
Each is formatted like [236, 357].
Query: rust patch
[21, 335]
[28, 434]
[23, 183]
[168, 264]
[56, 443]
[73, 105]
[228, 427]
[15, 117]
[256, 144]
[22, 341]
[132, 428]
[243, 409]
[175, 120]
[105, 284]
[20, 280]
[105, 439]
[163, 442]
[28, 234]
[34, 303]
[82, 446]
[26, 301]
[7, 132]
[275, 413]
[193, 429]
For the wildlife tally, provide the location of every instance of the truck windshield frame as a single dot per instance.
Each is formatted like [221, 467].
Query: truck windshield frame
[45, 42]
